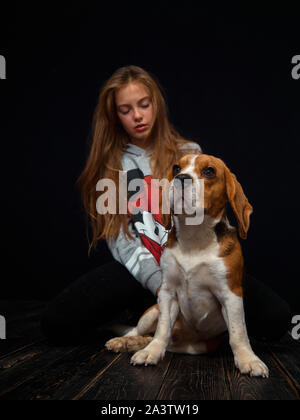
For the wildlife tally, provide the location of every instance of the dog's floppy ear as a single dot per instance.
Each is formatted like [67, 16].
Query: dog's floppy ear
[164, 195]
[239, 202]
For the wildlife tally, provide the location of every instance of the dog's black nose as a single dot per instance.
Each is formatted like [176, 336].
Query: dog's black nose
[182, 177]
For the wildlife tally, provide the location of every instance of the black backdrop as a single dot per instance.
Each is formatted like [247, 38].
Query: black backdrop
[227, 79]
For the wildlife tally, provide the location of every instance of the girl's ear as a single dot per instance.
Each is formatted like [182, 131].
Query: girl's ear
[239, 202]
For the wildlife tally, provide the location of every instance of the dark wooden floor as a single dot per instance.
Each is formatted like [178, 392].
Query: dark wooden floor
[31, 369]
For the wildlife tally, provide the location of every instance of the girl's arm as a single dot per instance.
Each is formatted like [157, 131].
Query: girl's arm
[137, 259]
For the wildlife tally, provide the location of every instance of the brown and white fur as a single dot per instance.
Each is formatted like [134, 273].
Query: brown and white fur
[201, 294]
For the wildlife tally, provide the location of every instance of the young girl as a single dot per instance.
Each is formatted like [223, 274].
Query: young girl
[132, 133]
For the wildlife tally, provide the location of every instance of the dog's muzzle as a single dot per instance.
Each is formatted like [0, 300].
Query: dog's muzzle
[184, 179]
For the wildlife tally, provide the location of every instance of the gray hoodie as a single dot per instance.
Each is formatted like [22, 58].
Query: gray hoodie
[141, 256]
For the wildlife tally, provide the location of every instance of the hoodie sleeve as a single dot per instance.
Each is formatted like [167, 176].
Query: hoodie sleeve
[137, 259]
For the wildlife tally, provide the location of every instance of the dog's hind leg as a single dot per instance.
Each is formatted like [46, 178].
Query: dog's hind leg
[136, 338]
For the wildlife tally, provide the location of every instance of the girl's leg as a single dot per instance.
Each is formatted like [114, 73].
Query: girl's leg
[94, 299]
[102, 294]
[268, 316]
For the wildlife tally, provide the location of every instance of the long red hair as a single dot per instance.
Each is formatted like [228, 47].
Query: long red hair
[108, 140]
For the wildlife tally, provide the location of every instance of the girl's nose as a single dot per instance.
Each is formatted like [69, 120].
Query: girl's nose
[137, 114]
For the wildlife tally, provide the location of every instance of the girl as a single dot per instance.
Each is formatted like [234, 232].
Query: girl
[131, 133]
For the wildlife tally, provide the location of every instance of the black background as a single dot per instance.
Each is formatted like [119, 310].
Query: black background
[227, 79]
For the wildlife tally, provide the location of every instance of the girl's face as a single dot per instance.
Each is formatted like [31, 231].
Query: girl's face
[134, 109]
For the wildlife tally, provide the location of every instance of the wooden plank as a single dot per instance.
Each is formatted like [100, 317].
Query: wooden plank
[23, 328]
[244, 387]
[195, 377]
[63, 377]
[14, 345]
[31, 369]
[21, 367]
[286, 352]
[122, 381]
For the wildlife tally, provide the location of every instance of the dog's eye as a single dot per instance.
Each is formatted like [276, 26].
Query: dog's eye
[209, 172]
[176, 170]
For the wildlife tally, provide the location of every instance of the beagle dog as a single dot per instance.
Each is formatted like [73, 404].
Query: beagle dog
[201, 294]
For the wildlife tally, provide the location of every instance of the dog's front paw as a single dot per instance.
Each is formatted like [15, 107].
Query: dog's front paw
[151, 355]
[252, 366]
[127, 343]
[117, 344]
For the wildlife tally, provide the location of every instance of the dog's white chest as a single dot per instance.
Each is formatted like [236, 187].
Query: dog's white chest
[191, 261]
[196, 276]
[199, 266]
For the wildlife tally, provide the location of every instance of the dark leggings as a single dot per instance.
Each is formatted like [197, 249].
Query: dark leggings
[103, 294]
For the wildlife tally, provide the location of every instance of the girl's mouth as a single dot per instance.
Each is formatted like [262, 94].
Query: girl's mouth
[141, 127]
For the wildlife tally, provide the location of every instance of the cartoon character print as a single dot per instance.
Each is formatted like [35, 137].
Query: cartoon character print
[148, 225]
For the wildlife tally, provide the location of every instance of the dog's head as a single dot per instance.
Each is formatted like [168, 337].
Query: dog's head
[220, 187]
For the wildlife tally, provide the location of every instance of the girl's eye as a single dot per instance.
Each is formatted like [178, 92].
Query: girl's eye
[124, 112]
[176, 170]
